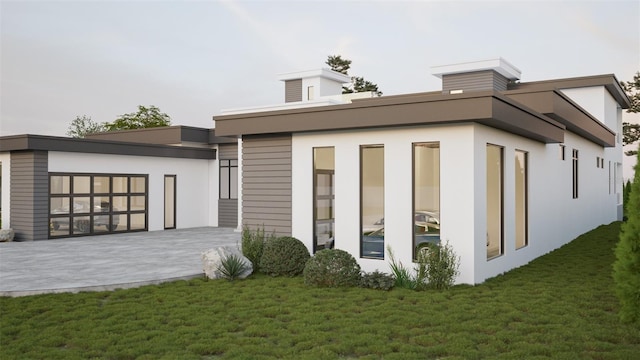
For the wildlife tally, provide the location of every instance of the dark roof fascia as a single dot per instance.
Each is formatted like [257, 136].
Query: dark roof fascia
[30, 142]
[486, 107]
[609, 81]
[166, 135]
[213, 139]
[561, 108]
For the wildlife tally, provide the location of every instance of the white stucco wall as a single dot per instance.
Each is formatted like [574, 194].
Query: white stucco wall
[5, 159]
[456, 193]
[555, 218]
[195, 181]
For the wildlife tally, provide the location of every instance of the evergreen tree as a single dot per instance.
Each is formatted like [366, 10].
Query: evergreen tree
[631, 132]
[626, 269]
[358, 83]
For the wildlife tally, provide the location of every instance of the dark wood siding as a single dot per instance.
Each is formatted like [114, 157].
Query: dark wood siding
[473, 81]
[228, 213]
[228, 151]
[228, 208]
[29, 197]
[266, 185]
[293, 90]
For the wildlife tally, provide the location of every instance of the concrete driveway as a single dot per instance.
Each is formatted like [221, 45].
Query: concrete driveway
[107, 262]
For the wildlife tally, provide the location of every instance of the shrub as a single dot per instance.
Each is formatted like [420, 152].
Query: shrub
[284, 255]
[332, 268]
[440, 265]
[401, 274]
[253, 245]
[377, 280]
[626, 268]
[232, 266]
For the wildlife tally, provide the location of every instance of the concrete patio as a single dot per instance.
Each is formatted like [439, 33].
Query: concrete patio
[107, 262]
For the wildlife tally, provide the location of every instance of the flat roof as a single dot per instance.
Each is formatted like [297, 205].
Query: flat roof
[30, 142]
[536, 110]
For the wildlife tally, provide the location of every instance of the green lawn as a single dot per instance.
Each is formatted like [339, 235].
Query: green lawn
[560, 306]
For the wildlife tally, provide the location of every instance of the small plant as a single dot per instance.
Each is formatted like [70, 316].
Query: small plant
[377, 280]
[332, 268]
[401, 274]
[232, 267]
[284, 256]
[440, 266]
[253, 244]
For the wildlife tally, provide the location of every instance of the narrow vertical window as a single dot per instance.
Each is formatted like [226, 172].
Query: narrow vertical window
[610, 179]
[495, 246]
[323, 197]
[426, 196]
[169, 201]
[310, 93]
[372, 201]
[562, 148]
[228, 179]
[575, 173]
[521, 195]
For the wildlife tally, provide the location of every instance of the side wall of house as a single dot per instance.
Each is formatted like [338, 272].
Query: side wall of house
[456, 190]
[266, 183]
[28, 198]
[195, 179]
[554, 216]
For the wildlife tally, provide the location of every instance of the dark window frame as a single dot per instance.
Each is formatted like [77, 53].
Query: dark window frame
[575, 155]
[175, 200]
[316, 197]
[91, 214]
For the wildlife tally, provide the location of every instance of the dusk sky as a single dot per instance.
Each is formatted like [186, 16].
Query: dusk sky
[61, 59]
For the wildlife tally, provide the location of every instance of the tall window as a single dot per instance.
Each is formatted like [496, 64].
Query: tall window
[323, 197]
[426, 195]
[494, 201]
[372, 201]
[575, 173]
[86, 204]
[169, 201]
[228, 179]
[522, 198]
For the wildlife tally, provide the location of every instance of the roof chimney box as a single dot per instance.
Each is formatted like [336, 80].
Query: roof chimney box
[311, 85]
[493, 74]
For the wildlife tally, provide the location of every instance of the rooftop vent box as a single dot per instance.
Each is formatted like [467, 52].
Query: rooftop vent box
[493, 74]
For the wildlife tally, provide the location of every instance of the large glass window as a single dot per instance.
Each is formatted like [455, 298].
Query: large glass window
[372, 201]
[522, 198]
[323, 197]
[228, 179]
[494, 201]
[85, 204]
[426, 195]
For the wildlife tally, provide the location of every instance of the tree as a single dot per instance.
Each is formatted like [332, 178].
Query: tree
[631, 132]
[146, 117]
[82, 126]
[626, 268]
[358, 83]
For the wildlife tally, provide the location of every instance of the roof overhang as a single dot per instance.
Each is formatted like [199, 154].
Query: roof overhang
[485, 107]
[559, 107]
[53, 143]
[165, 135]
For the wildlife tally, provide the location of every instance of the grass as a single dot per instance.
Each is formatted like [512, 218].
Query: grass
[560, 306]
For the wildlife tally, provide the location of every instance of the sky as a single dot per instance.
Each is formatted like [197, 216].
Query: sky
[192, 59]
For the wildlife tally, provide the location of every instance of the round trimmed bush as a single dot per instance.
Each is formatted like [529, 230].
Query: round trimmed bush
[284, 256]
[332, 268]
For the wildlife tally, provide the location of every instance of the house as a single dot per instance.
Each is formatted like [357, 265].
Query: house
[503, 171]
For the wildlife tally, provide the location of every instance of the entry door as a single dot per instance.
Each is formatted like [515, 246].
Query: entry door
[169, 201]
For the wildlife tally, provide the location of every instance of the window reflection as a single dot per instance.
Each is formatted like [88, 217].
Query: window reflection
[324, 197]
[372, 201]
[426, 196]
